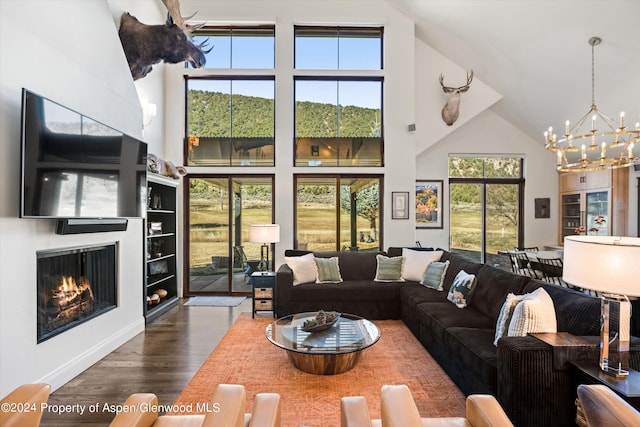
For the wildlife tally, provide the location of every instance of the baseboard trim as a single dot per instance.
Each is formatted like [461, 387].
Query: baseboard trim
[66, 372]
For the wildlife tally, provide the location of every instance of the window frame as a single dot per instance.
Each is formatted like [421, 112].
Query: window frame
[231, 78]
[484, 181]
[338, 28]
[339, 78]
[202, 32]
[338, 177]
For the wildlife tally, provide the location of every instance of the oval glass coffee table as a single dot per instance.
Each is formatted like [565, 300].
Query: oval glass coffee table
[332, 351]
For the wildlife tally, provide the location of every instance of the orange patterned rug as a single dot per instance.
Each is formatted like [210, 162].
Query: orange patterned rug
[245, 356]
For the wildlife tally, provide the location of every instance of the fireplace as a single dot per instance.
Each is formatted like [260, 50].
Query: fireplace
[74, 285]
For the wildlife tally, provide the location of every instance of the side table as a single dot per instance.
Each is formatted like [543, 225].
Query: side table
[628, 389]
[263, 291]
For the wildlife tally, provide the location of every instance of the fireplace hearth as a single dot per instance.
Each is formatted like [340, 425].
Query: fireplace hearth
[74, 285]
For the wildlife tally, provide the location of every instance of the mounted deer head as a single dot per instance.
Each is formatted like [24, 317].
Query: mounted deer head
[145, 45]
[451, 110]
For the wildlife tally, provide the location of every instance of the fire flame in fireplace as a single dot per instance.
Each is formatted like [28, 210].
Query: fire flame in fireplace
[69, 291]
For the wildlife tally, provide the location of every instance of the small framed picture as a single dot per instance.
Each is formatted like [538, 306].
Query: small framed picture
[429, 204]
[400, 205]
[542, 208]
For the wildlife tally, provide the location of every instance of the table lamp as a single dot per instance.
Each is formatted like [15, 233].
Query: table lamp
[611, 266]
[265, 234]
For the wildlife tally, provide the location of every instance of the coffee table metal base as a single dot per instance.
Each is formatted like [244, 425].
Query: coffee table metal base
[324, 364]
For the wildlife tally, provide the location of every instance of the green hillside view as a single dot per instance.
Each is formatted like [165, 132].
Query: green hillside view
[210, 116]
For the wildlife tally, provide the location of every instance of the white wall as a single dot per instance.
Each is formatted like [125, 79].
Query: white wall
[68, 51]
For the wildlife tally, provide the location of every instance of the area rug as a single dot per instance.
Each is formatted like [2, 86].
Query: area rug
[244, 356]
[215, 301]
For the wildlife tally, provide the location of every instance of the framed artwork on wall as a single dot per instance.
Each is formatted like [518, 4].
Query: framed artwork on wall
[542, 207]
[400, 205]
[429, 203]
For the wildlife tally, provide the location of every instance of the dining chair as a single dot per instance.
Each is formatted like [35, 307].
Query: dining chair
[552, 270]
[529, 249]
[520, 264]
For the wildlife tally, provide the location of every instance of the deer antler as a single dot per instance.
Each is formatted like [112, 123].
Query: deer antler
[462, 88]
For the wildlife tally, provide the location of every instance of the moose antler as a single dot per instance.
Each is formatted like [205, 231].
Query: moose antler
[173, 7]
[451, 110]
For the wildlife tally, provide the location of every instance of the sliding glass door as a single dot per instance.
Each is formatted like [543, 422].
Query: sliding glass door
[485, 206]
[338, 212]
[220, 211]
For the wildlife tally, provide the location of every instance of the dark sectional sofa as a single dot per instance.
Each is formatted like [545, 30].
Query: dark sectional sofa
[532, 380]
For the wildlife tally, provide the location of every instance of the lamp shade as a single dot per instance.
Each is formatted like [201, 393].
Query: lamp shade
[603, 263]
[264, 233]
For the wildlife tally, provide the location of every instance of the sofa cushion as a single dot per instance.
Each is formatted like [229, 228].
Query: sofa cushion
[303, 267]
[389, 269]
[315, 292]
[475, 358]
[365, 290]
[506, 314]
[535, 313]
[493, 287]
[434, 276]
[327, 270]
[462, 289]
[416, 263]
[436, 317]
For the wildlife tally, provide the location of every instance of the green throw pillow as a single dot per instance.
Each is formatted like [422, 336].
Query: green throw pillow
[462, 289]
[328, 270]
[389, 269]
[434, 276]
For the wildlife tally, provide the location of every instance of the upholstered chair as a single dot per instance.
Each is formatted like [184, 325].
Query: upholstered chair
[398, 409]
[24, 405]
[603, 408]
[225, 409]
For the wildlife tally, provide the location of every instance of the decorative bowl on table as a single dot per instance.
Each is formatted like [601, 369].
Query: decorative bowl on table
[323, 320]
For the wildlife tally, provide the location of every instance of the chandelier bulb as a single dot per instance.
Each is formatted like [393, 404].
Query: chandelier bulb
[622, 120]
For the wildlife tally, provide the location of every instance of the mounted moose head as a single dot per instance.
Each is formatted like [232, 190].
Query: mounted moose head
[145, 45]
[451, 110]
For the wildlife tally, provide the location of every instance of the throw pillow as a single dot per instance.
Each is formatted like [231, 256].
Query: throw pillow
[389, 269]
[328, 270]
[535, 313]
[462, 289]
[506, 314]
[416, 263]
[303, 267]
[434, 276]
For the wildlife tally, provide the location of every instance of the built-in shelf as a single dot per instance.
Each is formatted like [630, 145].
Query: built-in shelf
[161, 246]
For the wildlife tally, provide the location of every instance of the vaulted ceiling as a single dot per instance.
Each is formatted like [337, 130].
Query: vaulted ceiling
[536, 54]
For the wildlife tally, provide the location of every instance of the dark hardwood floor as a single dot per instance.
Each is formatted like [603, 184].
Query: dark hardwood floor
[160, 360]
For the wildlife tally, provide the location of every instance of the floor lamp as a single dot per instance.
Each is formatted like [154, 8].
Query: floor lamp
[610, 266]
[265, 234]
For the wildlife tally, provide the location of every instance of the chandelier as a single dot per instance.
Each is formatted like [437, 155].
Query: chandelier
[596, 141]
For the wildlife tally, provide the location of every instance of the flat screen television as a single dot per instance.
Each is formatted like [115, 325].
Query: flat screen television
[75, 167]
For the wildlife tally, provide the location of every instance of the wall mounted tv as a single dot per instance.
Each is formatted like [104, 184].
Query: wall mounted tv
[76, 167]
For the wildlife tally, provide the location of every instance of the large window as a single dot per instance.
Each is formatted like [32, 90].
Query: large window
[338, 212]
[338, 117]
[230, 121]
[338, 122]
[238, 47]
[338, 48]
[485, 196]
